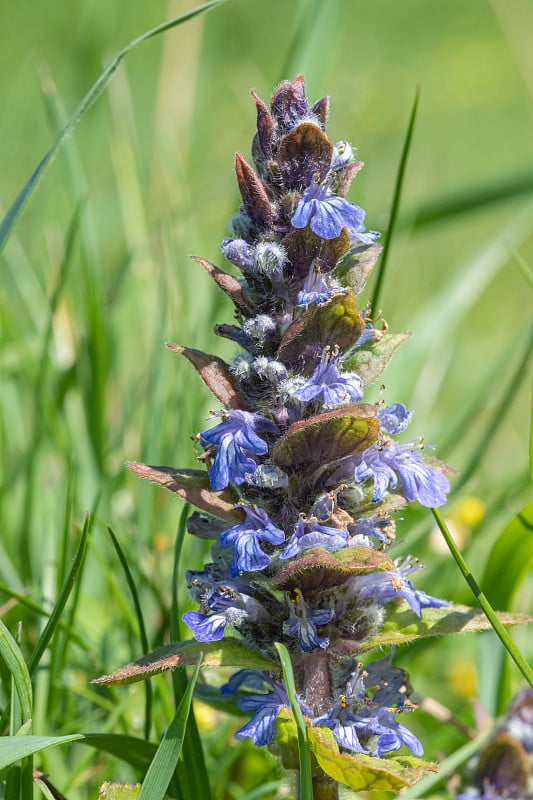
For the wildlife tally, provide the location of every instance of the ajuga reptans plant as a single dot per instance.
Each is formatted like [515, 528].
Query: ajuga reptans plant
[300, 478]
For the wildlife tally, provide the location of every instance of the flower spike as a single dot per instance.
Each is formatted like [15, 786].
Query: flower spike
[300, 552]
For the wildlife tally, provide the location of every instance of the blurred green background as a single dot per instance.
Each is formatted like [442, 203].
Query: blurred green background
[99, 260]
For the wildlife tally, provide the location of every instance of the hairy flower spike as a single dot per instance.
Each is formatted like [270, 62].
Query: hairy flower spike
[300, 553]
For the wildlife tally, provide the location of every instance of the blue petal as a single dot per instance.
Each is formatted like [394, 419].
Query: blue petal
[302, 213]
[346, 735]
[206, 628]
[261, 728]
[248, 556]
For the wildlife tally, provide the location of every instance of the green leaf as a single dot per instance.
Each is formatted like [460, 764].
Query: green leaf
[359, 772]
[319, 569]
[162, 768]
[404, 626]
[225, 653]
[336, 322]
[13, 748]
[9, 221]
[306, 781]
[14, 661]
[355, 267]
[510, 559]
[365, 773]
[327, 437]
[370, 360]
[119, 791]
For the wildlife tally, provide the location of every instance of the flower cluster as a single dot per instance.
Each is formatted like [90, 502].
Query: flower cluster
[301, 547]
[355, 717]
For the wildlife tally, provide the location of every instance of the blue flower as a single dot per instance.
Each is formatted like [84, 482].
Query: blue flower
[245, 538]
[377, 527]
[316, 289]
[303, 620]
[394, 418]
[382, 461]
[235, 438]
[392, 683]
[394, 736]
[232, 602]
[325, 213]
[329, 385]
[206, 627]
[383, 587]
[266, 705]
[354, 717]
[345, 725]
[310, 533]
[349, 717]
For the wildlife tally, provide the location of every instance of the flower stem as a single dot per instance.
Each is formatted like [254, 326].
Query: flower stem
[505, 638]
[317, 681]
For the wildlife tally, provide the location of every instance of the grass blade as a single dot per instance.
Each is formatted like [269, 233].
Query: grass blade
[306, 780]
[10, 219]
[504, 637]
[13, 748]
[162, 768]
[395, 205]
[64, 595]
[142, 627]
[14, 661]
[194, 777]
